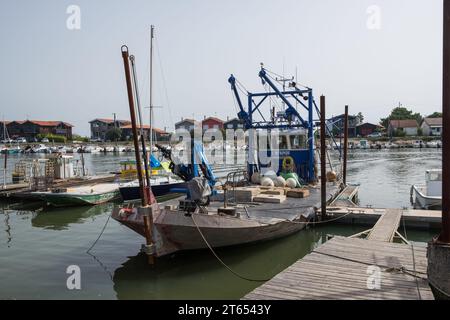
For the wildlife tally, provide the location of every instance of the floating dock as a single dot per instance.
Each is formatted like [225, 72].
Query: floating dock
[412, 218]
[346, 269]
[352, 268]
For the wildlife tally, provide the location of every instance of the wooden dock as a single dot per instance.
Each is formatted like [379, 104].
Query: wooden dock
[348, 269]
[386, 227]
[346, 197]
[413, 218]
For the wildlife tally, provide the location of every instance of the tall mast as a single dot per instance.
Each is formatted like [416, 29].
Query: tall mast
[152, 28]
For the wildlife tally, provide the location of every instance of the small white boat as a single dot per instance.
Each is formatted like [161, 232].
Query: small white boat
[391, 145]
[364, 144]
[418, 144]
[433, 144]
[41, 149]
[428, 196]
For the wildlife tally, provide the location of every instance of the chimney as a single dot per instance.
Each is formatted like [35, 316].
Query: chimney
[228, 118]
[204, 117]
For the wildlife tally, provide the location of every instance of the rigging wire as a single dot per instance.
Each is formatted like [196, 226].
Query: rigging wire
[158, 55]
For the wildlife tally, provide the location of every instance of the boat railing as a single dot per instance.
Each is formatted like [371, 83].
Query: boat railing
[234, 180]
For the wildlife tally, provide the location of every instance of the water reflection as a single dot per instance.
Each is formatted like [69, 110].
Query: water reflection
[198, 275]
[61, 218]
[7, 227]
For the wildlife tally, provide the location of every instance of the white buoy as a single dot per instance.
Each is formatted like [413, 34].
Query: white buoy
[280, 182]
[267, 182]
[291, 183]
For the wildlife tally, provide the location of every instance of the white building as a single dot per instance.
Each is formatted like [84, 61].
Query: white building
[432, 126]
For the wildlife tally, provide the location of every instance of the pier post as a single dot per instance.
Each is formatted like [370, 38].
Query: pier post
[5, 168]
[439, 248]
[323, 150]
[344, 169]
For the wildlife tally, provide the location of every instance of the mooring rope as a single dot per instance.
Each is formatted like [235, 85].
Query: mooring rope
[100, 235]
[319, 222]
[220, 260]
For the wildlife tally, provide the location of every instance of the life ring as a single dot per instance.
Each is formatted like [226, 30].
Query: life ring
[288, 164]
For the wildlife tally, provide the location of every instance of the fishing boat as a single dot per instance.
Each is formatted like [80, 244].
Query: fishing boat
[428, 196]
[79, 196]
[242, 212]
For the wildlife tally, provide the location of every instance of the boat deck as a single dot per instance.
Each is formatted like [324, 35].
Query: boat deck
[350, 269]
[290, 209]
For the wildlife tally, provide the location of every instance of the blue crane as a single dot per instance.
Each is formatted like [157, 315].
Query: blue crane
[289, 118]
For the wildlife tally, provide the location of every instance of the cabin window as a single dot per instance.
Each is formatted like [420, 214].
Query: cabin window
[435, 176]
[298, 142]
[283, 143]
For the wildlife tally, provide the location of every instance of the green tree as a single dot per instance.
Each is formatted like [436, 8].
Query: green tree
[360, 117]
[401, 113]
[435, 115]
[113, 134]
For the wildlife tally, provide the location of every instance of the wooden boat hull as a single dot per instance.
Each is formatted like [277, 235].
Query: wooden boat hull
[175, 231]
[67, 200]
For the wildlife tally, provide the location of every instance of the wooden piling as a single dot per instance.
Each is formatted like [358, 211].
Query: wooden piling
[445, 234]
[344, 168]
[323, 150]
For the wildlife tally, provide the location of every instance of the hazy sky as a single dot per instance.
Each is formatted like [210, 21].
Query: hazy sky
[49, 72]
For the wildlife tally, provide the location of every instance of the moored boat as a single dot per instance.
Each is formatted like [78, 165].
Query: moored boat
[78, 196]
[428, 196]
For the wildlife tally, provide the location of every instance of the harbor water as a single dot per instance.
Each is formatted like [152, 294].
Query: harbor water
[37, 246]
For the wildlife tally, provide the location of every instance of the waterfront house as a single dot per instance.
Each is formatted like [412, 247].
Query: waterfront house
[336, 125]
[159, 135]
[432, 126]
[365, 129]
[30, 129]
[212, 123]
[409, 127]
[186, 124]
[99, 127]
[233, 124]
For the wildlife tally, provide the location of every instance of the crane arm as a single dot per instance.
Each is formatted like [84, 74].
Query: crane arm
[290, 110]
[242, 114]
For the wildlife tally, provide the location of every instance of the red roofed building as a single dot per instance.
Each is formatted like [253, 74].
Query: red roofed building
[30, 129]
[409, 127]
[212, 123]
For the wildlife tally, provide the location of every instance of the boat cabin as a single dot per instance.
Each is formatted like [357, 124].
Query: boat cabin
[433, 180]
[292, 153]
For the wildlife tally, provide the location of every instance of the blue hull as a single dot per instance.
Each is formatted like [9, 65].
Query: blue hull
[132, 193]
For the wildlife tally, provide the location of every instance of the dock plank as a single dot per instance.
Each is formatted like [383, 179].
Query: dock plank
[385, 228]
[338, 269]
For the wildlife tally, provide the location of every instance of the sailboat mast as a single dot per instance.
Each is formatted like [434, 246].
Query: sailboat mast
[152, 28]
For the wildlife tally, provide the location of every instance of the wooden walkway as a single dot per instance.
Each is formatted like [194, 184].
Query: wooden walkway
[385, 228]
[347, 268]
[345, 198]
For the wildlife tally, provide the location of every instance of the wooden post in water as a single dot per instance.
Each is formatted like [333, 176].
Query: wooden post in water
[438, 252]
[126, 63]
[445, 234]
[4, 169]
[344, 169]
[323, 169]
